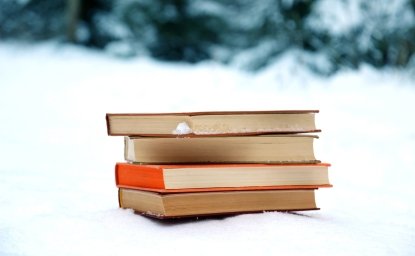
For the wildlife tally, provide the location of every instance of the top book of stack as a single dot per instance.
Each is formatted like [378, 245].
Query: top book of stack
[223, 123]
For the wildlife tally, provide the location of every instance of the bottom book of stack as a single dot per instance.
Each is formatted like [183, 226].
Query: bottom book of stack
[187, 204]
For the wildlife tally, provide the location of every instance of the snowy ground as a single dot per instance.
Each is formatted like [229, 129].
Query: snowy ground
[57, 191]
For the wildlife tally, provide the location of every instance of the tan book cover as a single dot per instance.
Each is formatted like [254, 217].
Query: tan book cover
[174, 205]
[218, 123]
[224, 149]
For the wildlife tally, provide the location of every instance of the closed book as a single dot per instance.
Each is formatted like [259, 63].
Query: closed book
[221, 176]
[224, 149]
[174, 205]
[211, 123]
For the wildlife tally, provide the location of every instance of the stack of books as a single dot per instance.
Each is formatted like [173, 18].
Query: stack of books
[216, 163]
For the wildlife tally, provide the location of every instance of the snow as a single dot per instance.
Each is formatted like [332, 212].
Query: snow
[57, 188]
[182, 128]
[344, 16]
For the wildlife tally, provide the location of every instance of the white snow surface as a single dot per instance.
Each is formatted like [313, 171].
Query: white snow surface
[57, 187]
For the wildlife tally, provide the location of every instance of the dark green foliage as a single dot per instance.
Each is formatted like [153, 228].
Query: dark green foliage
[250, 34]
[170, 31]
[380, 40]
[34, 19]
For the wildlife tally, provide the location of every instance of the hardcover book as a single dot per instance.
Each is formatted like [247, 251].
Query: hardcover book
[229, 149]
[214, 177]
[212, 123]
[173, 205]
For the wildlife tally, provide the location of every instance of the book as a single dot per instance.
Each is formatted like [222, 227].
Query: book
[214, 177]
[229, 149]
[171, 205]
[212, 123]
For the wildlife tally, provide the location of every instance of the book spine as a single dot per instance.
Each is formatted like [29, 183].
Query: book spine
[107, 120]
[131, 175]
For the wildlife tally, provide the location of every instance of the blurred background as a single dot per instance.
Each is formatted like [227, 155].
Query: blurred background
[331, 35]
[65, 63]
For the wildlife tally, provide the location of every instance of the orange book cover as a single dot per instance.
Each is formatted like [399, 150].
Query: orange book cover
[152, 177]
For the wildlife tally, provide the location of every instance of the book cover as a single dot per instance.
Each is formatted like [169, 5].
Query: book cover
[211, 123]
[175, 205]
[222, 177]
[229, 149]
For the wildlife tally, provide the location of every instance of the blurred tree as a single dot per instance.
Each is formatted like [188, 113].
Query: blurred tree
[284, 27]
[245, 33]
[169, 29]
[88, 15]
[31, 19]
[73, 10]
[93, 14]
